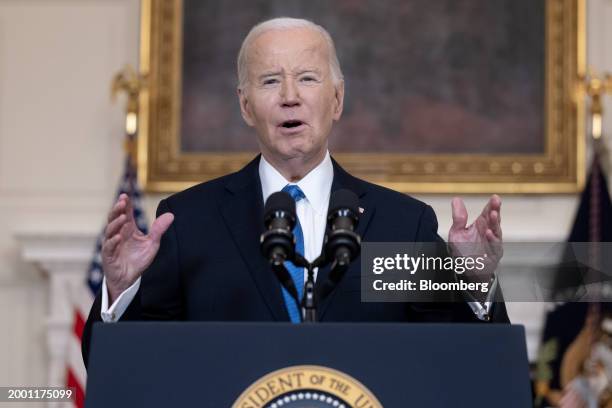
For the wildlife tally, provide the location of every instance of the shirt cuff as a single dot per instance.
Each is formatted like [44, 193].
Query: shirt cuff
[114, 313]
[483, 310]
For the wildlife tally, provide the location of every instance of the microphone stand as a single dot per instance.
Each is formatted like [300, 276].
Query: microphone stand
[310, 298]
[309, 301]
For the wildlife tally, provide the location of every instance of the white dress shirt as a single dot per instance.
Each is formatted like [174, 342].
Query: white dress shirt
[311, 212]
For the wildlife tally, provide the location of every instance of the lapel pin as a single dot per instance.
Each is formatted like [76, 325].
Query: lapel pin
[361, 210]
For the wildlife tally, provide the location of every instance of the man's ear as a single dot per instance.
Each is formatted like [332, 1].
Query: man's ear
[339, 102]
[245, 107]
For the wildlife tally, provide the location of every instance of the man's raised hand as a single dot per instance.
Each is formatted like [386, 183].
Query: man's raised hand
[481, 238]
[126, 251]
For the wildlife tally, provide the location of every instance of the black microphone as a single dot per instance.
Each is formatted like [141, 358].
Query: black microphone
[342, 243]
[277, 242]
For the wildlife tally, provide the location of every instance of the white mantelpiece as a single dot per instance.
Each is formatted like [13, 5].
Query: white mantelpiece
[64, 257]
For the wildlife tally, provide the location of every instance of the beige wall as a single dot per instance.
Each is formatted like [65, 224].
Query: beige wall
[60, 149]
[60, 146]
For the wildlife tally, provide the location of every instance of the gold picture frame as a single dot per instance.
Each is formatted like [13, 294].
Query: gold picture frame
[162, 167]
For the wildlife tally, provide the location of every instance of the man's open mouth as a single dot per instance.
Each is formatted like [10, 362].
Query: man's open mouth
[288, 124]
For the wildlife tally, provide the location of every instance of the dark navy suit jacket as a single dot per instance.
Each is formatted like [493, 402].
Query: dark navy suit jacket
[209, 266]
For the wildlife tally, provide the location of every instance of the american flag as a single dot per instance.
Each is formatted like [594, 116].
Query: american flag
[76, 375]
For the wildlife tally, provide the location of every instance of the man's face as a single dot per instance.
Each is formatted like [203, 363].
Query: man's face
[290, 98]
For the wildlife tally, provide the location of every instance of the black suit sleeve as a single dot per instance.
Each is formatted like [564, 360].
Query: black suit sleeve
[457, 309]
[160, 294]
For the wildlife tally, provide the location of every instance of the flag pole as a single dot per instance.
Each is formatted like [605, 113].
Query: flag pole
[596, 87]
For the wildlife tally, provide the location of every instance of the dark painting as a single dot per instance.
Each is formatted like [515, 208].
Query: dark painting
[422, 76]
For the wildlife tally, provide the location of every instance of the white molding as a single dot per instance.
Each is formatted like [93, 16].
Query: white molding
[64, 257]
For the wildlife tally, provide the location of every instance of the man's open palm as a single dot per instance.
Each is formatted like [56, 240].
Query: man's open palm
[481, 238]
[126, 251]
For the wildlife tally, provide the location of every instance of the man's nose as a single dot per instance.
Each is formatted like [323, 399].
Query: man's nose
[290, 95]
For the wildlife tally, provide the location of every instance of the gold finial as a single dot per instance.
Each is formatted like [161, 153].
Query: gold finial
[596, 86]
[128, 81]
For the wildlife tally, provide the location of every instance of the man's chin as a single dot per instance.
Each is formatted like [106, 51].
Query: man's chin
[304, 153]
[290, 149]
[295, 150]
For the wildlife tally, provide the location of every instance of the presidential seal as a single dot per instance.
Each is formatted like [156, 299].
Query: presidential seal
[307, 386]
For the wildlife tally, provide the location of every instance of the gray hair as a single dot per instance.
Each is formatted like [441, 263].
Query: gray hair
[286, 23]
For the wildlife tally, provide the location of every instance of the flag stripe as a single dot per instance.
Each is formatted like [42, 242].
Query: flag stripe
[79, 397]
[75, 361]
[79, 324]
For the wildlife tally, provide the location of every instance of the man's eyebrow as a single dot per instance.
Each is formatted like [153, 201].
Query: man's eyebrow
[307, 70]
[269, 74]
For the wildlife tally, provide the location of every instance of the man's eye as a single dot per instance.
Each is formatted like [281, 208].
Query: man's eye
[270, 81]
[308, 79]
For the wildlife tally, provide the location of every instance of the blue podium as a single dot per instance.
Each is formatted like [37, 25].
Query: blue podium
[274, 365]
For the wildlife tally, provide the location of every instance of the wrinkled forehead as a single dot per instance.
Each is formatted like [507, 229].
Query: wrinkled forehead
[288, 49]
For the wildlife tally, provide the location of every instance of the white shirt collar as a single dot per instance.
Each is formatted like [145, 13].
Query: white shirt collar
[316, 185]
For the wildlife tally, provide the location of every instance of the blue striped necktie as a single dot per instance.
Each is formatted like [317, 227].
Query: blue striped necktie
[296, 273]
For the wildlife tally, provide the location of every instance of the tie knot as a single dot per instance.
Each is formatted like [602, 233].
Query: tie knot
[294, 191]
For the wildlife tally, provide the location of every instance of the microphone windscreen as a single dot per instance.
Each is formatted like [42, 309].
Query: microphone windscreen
[343, 199]
[279, 201]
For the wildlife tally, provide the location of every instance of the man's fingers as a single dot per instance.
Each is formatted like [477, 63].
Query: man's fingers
[114, 226]
[110, 245]
[129, 208]
[127, 229]
[495, 224]
[491, 237]
[160, 225]
[118, 208]
[494, 204]
[460, 214]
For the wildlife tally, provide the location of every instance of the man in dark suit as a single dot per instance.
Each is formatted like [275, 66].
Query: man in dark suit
[201, 260]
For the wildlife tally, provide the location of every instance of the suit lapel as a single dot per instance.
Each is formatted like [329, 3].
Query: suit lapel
[342, 179]
[242, 211]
